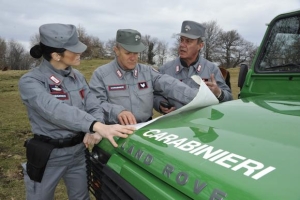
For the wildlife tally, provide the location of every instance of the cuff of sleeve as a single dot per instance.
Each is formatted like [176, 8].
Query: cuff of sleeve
[221, 96]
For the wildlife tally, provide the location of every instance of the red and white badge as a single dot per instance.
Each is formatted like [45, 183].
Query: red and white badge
[119, 73]
[135, 74]
[116, 87]
[55, 88]
[199, 68]
[143, 85]
[54, 79]
[177, 68]
[58, 92]
[81, 92]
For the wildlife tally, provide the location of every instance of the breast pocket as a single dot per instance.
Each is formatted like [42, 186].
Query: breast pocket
[146, 99]
[76, 99]
[118, 96]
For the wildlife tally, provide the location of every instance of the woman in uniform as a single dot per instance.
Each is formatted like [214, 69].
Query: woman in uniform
[65, 116]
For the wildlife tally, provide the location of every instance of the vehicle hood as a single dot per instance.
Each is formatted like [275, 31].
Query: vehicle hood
[242, 149]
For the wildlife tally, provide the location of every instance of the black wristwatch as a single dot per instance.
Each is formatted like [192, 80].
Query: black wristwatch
[221, 96]
[92, 127]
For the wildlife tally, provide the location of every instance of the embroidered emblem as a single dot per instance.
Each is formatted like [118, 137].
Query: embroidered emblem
[55, 88]
[143, 85]
[119, 73]
[58, 92]
[199, 68]
[135, 73]
[116, 87]
[54, 79]
[137, 38]
[187, 28]
[61, 95]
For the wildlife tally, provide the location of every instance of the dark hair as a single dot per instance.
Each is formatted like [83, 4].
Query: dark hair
[40, 50]
[199, 40]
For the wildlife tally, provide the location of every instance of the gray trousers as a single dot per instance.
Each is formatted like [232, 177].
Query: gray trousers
[66, 163]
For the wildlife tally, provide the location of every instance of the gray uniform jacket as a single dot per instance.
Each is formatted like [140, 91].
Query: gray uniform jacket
[132, 90]
[202, 68]
[59, 102]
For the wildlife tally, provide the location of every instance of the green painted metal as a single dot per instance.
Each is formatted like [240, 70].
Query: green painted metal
[268, 134]
[242, 149]
[285, 28]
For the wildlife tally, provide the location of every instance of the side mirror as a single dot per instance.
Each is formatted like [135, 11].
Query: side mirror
[242, 75]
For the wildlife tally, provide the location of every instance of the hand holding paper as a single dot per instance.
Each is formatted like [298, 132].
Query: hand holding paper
[203, 98]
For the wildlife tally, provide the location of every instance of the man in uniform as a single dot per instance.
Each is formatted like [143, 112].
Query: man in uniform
[125, 87]
[191, 63]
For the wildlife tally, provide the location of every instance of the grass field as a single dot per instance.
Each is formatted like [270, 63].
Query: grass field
[15, 129]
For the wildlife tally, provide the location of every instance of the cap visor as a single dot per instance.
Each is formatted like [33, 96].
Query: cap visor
[78, 48]
[134, 48]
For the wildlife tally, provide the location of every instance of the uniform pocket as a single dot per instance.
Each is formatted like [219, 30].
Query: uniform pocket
[118, 96]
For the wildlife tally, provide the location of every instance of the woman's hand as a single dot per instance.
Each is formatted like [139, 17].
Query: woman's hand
[91, 139]
[110, 131]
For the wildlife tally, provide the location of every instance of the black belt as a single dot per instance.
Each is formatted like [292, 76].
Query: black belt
[61, 143]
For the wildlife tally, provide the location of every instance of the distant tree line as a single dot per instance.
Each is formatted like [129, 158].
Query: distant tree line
[226, 48]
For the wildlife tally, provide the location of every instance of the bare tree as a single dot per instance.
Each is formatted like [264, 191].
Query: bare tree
[109, 48]
[35, 39]
[213, 32]
[174, 49]
[161, 52]
[149, 53]
[97, 47]
[3, 49]
[232, 49]
[84, 38]
[16, 56]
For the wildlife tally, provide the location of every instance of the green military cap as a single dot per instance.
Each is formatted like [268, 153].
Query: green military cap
[130, 40]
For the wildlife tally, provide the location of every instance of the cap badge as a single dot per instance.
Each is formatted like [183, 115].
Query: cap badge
[187, 28]
[137, 38]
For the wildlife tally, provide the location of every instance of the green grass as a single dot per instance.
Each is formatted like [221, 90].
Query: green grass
[15, 129]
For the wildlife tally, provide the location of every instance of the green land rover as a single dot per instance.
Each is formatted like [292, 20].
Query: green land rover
[242, 149]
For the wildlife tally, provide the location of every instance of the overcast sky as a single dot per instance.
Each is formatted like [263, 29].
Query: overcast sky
[20, 19]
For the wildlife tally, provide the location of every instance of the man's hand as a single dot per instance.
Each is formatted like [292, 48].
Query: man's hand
[91, 139]
[165, 107]
[126, 118]
[213, 86]
[110, 131]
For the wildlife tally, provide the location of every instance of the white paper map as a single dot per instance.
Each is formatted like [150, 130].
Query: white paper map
[203, 98]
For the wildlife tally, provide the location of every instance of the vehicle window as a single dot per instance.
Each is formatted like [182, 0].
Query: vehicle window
[282, 50]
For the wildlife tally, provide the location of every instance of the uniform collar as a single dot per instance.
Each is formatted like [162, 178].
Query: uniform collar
[120, 71]
[184, 65]
[56, 75]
